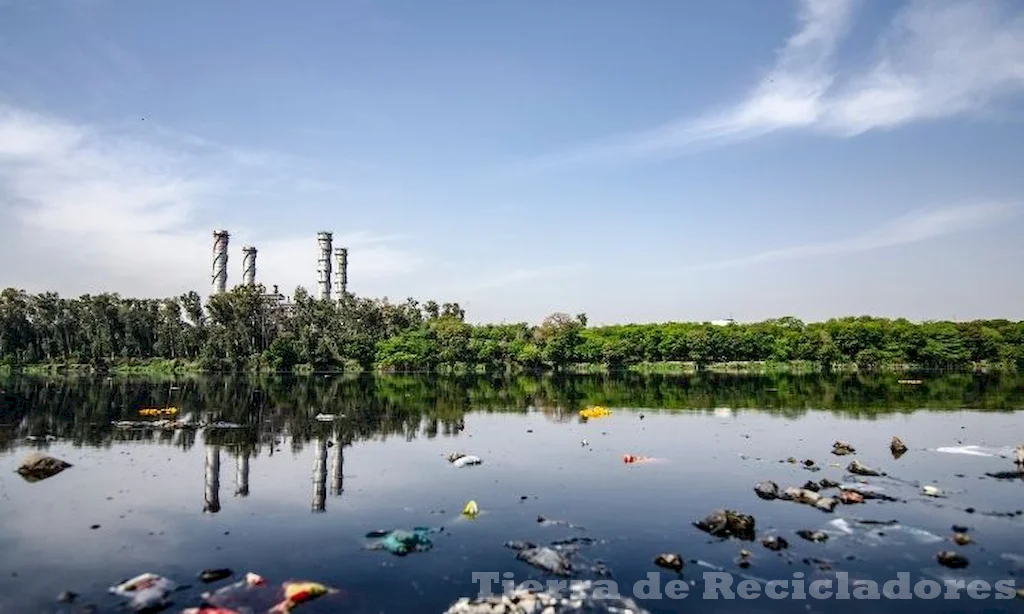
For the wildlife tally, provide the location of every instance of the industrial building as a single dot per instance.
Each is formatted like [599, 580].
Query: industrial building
[330, 261]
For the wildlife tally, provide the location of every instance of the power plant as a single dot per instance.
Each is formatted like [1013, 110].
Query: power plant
[325, 270]
[220, 261]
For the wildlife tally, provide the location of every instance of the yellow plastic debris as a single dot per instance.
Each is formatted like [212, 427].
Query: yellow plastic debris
[595, 412]
[156, 411]
[471, 509]
[297, 593]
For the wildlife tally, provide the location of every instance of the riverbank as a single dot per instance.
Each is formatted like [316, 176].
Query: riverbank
[163, 366]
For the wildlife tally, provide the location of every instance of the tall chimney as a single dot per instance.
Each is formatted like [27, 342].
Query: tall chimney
[249, 265]
[220, 261]
[324, 265]
[341, 273]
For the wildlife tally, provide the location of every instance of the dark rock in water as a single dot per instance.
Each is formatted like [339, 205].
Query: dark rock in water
[860, 468]
[952, 559]
[37, 467]
[775, 543]
[959, 528]
[548, 559]
[728, 523]
[1006, 475]
[94, 527]
[897, 447]
[961, 539]
[580, 597]
[212, 575]
[669, 561]
[812, 486]
[67, 597]
[813, 536]
[826, 483]
[841, 448]
[808, 463]
[519, 545]
[767, 490]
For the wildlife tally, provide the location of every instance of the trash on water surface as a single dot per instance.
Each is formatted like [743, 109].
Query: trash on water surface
[579, 597]
[297, 593]
[975, 450]
[841, 448]
[158, 411]
[458, 459]
[860, 468]
[891, 534]
[145, 591]
[401, 542]
[633, 459]
[38, 467]
[471, 509]
[250, 594]
[897, 447]
[212, 575]
[931, 491]
[669, 560]
[322, 417]
[728, 523]
[595, 412]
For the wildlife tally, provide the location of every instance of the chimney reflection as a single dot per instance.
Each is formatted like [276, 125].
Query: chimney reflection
[212, 503]
[320, 476]
[339, 460]
[242, 474]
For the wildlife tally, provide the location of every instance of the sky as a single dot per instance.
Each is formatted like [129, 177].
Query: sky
[637, 162]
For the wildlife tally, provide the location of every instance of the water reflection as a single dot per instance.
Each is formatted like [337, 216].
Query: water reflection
[212, 498]
[320, 476]
[242, 475]
[272, 408]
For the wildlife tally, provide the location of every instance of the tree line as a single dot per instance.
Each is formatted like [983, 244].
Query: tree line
[242, 330]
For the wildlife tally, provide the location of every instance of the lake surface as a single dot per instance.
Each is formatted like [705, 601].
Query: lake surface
[292, 498]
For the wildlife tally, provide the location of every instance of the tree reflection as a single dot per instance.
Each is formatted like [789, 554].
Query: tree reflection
[274, 409]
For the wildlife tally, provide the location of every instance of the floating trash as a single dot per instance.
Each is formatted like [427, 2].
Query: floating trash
[145, 591]
[458, 459]
[158, 411]
[38, 467]
[471, 509]
[595, 412]
[401, 542]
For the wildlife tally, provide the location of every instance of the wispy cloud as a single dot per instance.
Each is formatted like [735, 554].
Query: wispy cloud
[521, 276]
[913, 227]
[128, 211]
[937, 59]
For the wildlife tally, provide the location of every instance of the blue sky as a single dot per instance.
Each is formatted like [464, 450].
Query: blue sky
[637, 162]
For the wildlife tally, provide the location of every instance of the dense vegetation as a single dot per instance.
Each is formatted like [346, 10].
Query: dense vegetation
[241, 330]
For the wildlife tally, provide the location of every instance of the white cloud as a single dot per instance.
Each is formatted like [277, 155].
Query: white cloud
[913, 227]
[937, 59]
[520, 276]
[126, 212]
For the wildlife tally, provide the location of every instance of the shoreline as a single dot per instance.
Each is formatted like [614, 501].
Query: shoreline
[163, 366]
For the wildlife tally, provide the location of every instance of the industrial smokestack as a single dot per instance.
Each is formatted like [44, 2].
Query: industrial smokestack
[249, 265]
[341, 274]
[220, 261]
[324, 265]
